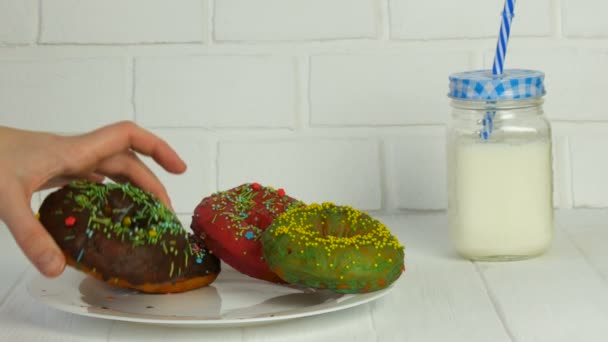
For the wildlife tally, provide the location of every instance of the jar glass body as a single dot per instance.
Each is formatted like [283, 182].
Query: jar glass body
[500, 189]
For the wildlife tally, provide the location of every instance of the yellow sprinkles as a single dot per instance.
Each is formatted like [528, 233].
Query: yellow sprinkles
[126, 221]
[334, 247]
[298, 225]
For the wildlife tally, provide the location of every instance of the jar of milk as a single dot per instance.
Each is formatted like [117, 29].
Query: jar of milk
[500, 189]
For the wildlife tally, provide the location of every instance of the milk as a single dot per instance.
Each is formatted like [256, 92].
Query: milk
[500, 198]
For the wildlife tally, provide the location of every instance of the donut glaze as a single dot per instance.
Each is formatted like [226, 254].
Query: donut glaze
[123, 235]
[333, 247]
[231, 223]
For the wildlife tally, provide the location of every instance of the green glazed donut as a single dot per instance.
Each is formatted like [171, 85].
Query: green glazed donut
[333, 247]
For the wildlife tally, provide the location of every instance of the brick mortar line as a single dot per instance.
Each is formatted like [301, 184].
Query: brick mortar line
[349, 46]
[39, 19]
[557, 20]
[210, 22]
[386, 11]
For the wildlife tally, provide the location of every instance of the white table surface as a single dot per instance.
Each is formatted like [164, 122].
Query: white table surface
[561, 296]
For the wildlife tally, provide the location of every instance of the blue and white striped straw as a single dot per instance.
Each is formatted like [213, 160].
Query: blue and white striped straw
[499, 59]
[503, 37]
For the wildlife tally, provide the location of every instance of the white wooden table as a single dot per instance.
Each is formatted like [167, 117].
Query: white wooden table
[561, 296]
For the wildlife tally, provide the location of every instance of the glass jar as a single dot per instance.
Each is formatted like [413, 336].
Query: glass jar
[500, 188]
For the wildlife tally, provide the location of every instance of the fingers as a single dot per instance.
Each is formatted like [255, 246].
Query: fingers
[109, 151]
[119, 137]
[95, 178]
[32, 237]
[63, 180]
[127, 166]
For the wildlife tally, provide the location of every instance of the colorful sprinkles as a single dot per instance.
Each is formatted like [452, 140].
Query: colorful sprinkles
[144, 222]
[336, 247]
[236, 206]
[145, 226]
[306, 226]
[232, 222]
[70, 221]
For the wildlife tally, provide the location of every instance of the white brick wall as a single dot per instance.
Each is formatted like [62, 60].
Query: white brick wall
[345, 171]
[63, 94]
[589, 170]
[334, 100]
[280, 20]
[414, 19]
[589, 164]
[417, 170]
[562, 173]
[122, 21]
[18, 21]
[382, 89]
[582, 18]
[216, 91]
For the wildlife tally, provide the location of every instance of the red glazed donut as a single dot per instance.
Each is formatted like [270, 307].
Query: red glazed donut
[232, 222]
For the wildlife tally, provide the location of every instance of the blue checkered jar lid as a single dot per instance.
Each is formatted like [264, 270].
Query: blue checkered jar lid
[482, 85]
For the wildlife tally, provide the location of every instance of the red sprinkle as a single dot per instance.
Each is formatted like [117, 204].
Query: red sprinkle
[256, 186]
[281, 192]
[70, 221]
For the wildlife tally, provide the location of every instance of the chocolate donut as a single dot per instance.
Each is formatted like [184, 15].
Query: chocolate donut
[231, 223]
[123, 235]
[333, 247]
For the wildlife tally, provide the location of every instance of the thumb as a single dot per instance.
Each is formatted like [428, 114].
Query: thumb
[33, 239]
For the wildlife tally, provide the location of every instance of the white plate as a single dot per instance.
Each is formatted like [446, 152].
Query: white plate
[233, 299]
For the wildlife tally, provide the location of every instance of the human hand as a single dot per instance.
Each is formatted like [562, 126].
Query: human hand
[33, 161]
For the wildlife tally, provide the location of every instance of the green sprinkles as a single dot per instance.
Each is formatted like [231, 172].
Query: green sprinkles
[144, 222]
[234, 204]
[158, 219]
